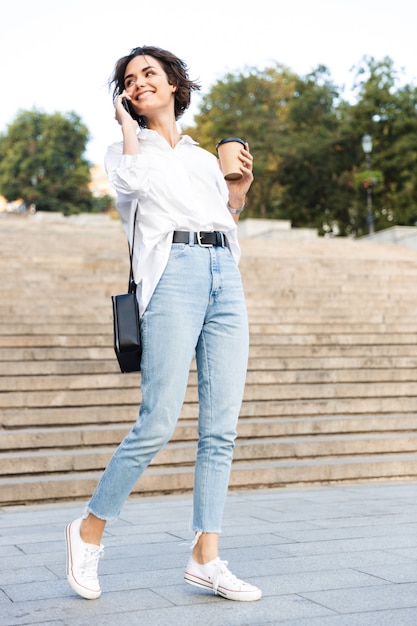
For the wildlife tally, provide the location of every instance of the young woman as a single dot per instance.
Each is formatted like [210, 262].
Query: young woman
[191, 302]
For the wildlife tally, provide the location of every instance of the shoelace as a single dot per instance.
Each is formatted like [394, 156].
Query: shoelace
[221, 568]
[90, 561]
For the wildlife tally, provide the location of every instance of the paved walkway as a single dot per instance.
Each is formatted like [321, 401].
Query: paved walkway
[323, 556]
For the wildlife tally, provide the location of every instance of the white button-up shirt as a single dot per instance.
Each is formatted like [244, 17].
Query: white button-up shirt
[179, 188]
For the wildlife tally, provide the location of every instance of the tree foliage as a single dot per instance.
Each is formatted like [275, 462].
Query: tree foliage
[389, 114]
[306, 142]
[309, 166]
[41, 161]
[254, 106]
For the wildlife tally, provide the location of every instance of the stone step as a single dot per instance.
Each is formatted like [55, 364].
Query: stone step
[100, 294]
[183, 453]
[332, 383]
[36, 370]
[256, 474]
[101, 433]
[265, 392]
[285, 312]
[252, 413]
[19, 418]
[260, 336]
[255, 376]
[280, 313]
[263, 322]
[334, 285]
[266, 350]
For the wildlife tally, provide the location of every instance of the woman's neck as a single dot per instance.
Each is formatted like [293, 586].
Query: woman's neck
[167, 129]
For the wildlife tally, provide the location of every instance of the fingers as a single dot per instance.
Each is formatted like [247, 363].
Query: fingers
[123, 112]
[121, 101]
[246, 158]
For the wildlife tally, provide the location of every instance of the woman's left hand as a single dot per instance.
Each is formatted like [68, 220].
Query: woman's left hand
[239, 188]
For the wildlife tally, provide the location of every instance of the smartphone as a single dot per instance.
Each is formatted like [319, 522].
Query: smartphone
[129, 109]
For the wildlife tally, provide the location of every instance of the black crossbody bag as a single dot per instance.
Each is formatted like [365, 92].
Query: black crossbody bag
[126, 322]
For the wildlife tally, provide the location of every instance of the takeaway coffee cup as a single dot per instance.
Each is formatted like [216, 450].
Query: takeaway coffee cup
[228, 150]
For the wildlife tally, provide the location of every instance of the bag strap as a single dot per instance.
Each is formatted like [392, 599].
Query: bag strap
[132, 285]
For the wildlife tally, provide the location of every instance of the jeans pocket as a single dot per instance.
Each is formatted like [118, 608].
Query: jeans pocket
[178, 249]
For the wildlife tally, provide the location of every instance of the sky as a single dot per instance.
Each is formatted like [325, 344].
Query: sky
[58, 56]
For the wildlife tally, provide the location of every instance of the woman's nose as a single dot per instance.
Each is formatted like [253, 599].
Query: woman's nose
[140, 81]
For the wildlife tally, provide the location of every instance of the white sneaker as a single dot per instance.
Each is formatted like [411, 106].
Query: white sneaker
[82, 563]
[215, 576]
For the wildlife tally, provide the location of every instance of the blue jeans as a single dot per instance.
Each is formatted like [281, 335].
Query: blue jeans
[198, 306]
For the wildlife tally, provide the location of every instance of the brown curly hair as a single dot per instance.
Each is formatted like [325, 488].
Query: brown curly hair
[175, 69]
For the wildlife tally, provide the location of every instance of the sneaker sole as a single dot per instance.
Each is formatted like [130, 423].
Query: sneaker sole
[88, 594]
[228, 594]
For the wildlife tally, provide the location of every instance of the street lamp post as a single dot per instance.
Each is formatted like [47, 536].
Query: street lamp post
[367, 148]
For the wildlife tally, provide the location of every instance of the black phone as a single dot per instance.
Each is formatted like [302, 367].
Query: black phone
[129, 109]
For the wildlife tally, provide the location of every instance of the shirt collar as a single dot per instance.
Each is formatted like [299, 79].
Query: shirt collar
[188, 139]
[146, 134]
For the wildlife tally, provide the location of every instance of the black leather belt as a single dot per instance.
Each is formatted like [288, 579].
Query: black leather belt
[202, 238]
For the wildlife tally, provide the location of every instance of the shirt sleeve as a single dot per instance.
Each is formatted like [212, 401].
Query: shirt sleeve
[128, 174]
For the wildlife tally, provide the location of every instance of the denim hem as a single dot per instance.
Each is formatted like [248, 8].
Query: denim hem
[87, 510]
[199, 532]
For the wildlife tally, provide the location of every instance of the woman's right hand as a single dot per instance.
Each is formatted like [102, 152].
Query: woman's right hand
[129, 126]
[122, 115]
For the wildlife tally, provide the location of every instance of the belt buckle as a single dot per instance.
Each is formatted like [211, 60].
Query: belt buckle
[202, 245]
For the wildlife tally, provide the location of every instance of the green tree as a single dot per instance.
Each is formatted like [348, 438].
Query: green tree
[252, 105]
[292, 127]
[41, 160]
[103, 204]
[306, 142]
[314, 156]
[388, 114]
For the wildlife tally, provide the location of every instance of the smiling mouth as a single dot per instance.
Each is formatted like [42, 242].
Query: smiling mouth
[144, 94]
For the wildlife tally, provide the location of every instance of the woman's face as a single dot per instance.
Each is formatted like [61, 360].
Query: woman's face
[147, 84]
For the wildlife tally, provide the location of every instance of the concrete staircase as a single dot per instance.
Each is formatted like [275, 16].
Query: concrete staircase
[331, 390]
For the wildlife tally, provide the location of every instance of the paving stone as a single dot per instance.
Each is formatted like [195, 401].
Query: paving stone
[396, 617]
[357, 574]
[385, 542]
[301, 582]
[17, 576]
[367, 598]
[395, 572]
